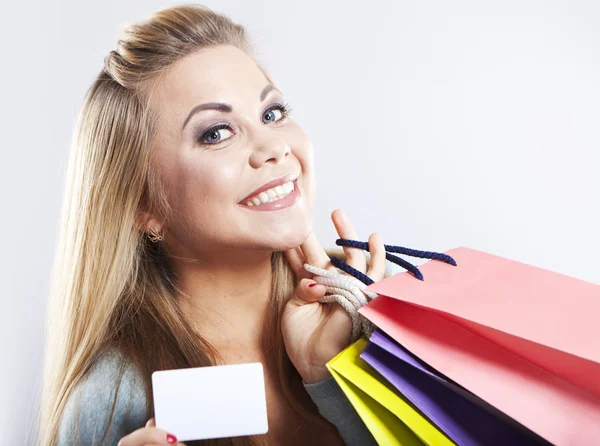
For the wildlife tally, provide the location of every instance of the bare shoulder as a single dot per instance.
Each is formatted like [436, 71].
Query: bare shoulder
[86, 417]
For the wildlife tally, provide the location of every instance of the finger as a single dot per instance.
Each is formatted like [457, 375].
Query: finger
[147, 435]
[313, 252]
[296, 260]
[355, 257]
[151, 423]
[179, 443]
[160, 444]
[377, 262]
[308, 291]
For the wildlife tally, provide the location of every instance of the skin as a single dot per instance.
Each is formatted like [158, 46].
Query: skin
[221, 250]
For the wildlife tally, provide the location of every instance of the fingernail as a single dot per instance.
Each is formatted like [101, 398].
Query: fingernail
[312, 285]
[171, 439]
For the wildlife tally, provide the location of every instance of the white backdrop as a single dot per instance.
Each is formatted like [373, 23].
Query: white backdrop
[438, 124]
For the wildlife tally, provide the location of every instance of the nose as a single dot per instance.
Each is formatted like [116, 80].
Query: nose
[269, 147]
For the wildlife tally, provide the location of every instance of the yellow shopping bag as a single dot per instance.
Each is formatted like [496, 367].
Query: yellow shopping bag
[389, 417]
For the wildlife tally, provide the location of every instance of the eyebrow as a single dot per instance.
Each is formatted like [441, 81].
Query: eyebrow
[225, 108]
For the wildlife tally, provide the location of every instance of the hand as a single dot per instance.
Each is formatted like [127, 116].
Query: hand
[149, 436]
[315, 332]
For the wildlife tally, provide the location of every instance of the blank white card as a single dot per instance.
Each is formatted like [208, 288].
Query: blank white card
[211, 402]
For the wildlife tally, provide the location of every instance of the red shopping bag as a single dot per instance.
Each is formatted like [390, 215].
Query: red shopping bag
[524, 339]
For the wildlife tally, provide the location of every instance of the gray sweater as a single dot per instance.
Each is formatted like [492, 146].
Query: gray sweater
[86, 414]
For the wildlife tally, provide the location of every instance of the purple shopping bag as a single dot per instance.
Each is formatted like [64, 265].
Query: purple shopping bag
[462, 416]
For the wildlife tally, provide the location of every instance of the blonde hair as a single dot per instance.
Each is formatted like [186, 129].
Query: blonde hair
[111, 287]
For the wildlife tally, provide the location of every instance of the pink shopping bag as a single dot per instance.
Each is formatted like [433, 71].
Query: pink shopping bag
[524, 339]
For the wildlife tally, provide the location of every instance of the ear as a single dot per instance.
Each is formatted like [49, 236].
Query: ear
[144, 221]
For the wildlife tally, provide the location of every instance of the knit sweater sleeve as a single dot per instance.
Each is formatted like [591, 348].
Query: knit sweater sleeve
[86, 417]
[335, 407]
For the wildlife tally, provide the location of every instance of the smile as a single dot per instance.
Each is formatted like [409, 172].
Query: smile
[278, 197]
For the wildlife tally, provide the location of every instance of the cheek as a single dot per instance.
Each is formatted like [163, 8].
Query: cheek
[305, 154]
[204, 198]
[209, 185]
[202, 187]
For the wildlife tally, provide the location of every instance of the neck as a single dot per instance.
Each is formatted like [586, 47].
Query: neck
[226, 298]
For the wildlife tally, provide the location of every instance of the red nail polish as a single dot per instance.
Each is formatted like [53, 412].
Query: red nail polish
[312, 285]
[171, 439]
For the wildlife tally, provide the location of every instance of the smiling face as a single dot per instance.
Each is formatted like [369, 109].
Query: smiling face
[211, 160]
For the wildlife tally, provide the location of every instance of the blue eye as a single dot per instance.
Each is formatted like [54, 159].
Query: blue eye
[214, 136]
[283, 110]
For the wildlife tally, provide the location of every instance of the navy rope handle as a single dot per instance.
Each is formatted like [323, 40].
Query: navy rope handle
[392, 258]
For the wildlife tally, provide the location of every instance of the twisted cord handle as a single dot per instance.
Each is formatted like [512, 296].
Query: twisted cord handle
[400, 250]
[350, 290]
[347, 291]
[392, 258]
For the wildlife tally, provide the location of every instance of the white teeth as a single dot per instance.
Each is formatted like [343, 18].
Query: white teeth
[273, 194]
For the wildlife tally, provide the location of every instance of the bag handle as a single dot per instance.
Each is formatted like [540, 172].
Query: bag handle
[392, 258]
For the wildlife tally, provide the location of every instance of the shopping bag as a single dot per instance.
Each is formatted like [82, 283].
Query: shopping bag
[462, 416]
[521, 338]
[385, 412]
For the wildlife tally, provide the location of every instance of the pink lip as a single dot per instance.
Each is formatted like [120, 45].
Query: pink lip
[282, 203]
[269, 185]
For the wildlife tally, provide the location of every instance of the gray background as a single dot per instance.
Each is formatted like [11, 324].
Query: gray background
[436, 123]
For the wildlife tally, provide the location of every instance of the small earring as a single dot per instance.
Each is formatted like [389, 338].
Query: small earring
[154, 236]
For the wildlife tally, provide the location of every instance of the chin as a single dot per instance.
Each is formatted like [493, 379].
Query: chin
[291, 237]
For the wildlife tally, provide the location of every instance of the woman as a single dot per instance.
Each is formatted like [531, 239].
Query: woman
[170, 258]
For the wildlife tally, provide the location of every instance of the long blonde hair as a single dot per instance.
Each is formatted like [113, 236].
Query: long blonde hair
[110, 286]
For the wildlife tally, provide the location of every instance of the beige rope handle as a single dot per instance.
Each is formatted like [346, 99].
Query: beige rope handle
[347, 291]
